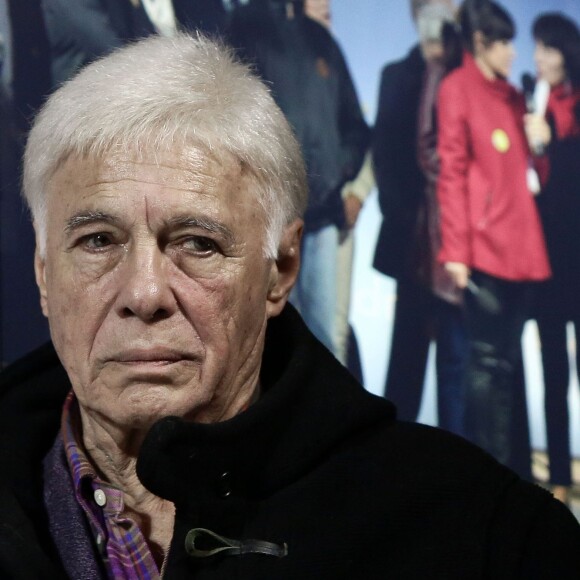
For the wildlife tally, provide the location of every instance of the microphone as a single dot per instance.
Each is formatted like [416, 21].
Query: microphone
[486, 300]
[529, 87]
[541, 96]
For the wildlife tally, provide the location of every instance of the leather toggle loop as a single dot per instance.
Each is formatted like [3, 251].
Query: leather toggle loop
[221, 545]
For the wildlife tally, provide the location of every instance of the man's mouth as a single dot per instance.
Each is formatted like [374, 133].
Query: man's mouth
[157, 356]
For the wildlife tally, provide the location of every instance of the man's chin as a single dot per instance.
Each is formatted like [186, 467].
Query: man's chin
[142, 405]
[153, 402]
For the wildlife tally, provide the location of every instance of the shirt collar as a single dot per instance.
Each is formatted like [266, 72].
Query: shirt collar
[79, 465]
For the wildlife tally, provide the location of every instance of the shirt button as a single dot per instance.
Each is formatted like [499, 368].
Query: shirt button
[224, 484]
[100, 497]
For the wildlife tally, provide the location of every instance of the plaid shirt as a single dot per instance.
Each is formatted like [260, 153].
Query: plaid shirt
[119, 540]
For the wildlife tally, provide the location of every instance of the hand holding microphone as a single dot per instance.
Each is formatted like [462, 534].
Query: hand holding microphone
[461, 275]
[538, 133]
[537, 129]
[458, 272]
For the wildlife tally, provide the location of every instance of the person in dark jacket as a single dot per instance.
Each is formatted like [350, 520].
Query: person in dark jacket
[557, 57]
[401, 188]
[186, 423]
[449, 333]
[81, 30]
[312, 85]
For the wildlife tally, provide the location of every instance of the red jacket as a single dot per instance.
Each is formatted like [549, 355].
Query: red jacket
[489, 219]
[562, 106]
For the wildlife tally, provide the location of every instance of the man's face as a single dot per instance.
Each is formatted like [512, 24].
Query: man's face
[156, 287]
[318, 10]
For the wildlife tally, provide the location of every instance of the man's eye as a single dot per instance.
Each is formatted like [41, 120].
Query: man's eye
[200, 244]
[96, 241]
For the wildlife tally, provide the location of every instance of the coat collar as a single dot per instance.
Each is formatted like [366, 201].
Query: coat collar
[565, 90]
[415, 58]
[309, 405]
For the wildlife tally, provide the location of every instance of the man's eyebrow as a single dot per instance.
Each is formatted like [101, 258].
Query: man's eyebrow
[89, 217]
[208, 224]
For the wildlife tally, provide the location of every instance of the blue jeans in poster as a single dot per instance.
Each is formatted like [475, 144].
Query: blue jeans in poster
[451, 364]
[314, 294]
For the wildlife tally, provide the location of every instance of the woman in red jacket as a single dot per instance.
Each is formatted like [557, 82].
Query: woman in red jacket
[557, 57]
[492, 239]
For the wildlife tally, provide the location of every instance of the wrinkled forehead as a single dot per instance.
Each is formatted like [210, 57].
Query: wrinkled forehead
[187, 158]
[192, 167]
[162, 184]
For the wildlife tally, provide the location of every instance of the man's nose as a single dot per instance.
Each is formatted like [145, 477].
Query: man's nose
[146, 291]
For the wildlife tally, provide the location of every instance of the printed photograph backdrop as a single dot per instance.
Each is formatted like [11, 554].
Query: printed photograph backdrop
[371, 34]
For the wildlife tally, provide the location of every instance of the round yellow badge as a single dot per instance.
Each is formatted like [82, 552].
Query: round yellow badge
[500, 140]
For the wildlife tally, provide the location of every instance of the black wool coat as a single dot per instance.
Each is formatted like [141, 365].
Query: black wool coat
[400, 180]
[311, 83]
[318, 467]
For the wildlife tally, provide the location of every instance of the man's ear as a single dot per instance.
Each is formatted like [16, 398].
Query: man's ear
[284, 269]
[40, 273]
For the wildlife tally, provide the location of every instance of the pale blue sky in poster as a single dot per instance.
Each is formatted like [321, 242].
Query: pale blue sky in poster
[374, 32]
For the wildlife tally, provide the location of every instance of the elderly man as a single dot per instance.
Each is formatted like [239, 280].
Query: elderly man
[207, 434]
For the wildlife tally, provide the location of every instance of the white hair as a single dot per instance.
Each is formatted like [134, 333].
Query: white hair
[430, 20]
[163, 94]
